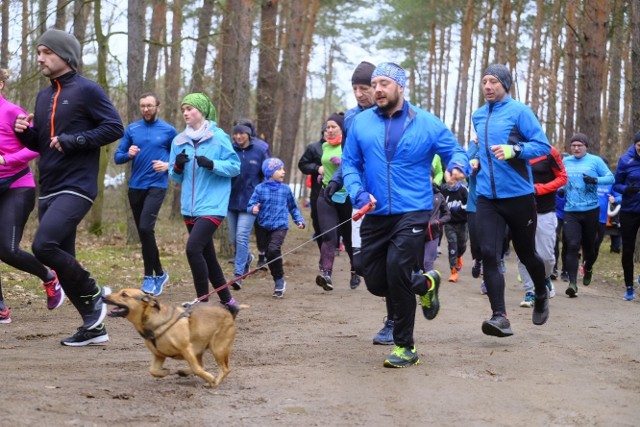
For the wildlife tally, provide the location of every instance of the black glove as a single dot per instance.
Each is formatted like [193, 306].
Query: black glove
[631, 190]
[330, 190]
[204, 162]
[561, 192]
[71, 142]
[181, 160]
[589, 179]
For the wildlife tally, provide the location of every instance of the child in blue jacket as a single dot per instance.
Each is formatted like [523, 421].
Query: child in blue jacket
[272, 201]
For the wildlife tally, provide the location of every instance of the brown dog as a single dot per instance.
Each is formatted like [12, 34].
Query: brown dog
[173, 331]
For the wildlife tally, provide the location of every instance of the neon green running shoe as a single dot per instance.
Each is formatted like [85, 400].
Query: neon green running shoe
[429, 301]
[401, 357]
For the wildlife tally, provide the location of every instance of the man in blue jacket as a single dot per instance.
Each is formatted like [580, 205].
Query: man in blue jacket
[509, 135]
[73, 118]
[146, 144]
[387, 162]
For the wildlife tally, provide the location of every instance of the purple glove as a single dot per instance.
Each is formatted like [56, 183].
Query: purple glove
[319, 178]
[336, 160]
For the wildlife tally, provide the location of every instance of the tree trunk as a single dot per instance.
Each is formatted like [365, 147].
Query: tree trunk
[234, 71]
[172, 89]
[552, 113]
[465, 59]
[4, 39]
[611, 141]
[135, 64]
[61, 14]
[535, 70]
[95, 215]
[593, 37]
[635, 66]
[266, 111]
[81, 11]
[200, 57]
[504, 20]
[156, 36]
[570, 74]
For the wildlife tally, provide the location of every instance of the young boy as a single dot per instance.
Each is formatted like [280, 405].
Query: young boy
[455, 195]
[272, 201]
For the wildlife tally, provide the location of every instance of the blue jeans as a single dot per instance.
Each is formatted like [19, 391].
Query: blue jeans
[240, 225]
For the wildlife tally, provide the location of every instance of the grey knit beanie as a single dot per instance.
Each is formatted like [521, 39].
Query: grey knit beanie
[500, 72]
[63, 44]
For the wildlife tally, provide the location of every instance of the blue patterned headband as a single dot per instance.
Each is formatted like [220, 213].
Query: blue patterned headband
[392, 71]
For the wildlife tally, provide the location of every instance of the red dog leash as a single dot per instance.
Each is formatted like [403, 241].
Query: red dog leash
[359, 214]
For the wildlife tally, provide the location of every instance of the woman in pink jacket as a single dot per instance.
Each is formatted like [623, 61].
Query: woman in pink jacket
[17, 200]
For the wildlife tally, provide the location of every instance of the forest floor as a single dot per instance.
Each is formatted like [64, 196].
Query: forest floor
[308, 359]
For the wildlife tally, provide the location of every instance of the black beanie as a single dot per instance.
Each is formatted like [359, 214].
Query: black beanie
[500, 72]
[362, 74]
[244, 126]
[338, 118]
[580, 137]
[63, 44]
[636, 138]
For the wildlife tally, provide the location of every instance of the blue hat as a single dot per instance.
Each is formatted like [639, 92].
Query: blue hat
[392, 71]
[270, 166]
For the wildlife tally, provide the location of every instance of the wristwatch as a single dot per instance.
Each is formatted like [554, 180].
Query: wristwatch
[517, 150]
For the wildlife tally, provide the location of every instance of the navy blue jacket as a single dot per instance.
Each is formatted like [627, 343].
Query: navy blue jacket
[251, 159]
[628, 173]
[72, 107]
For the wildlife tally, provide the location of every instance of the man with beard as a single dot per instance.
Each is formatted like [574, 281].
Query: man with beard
[72, 120]
[387, 162]
[146, 144]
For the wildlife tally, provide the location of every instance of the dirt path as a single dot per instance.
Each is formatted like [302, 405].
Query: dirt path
[309, 360]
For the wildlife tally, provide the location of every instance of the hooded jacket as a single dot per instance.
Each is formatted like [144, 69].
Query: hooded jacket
[628, 173]
[205, 192]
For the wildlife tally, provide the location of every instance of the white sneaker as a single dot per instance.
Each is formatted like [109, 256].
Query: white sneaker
[552, 289]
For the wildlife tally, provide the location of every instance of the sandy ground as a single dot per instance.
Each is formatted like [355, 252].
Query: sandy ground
[309, 360]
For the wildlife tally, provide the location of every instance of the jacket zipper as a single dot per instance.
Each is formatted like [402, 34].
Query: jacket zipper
[54, 106]
[488, 152]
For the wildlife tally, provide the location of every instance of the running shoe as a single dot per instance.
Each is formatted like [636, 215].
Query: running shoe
[588, 275]
[324, 281]
[250, 260]
[528, 300]
[541, 309]
[629, 295]
[476, 269]
[429, 301]
[497, 326]
[87, 336]
[401, 357]
[92, 309]
[148, 285]
[55, 294]
[483, 288]
[385, 335]
[459, 263]
[572, 290]
[279, 288]
[355, 280]
[232, 306]
[5, 316]
[160, 281]
[552, 289]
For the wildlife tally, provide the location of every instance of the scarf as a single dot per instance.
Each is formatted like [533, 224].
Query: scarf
[334, 141]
